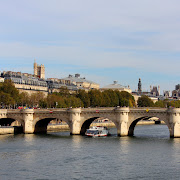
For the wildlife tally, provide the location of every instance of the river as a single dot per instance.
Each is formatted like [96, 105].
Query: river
[150, 154]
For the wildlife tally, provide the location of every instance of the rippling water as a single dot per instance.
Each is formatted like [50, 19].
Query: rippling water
[150, 154]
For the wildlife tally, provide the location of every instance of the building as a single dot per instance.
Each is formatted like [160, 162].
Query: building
[155, 91]
[176, 92]
[36, 82]
[116, 86]
[139, 86]
[166, 94]
[153, 94]
[81, 83]
[39, 70]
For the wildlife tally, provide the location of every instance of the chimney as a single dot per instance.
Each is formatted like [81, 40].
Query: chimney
[77, 75]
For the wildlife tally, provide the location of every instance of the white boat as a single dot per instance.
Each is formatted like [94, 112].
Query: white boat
[97, 131]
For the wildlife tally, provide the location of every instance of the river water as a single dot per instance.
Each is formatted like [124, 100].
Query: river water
[150, 154]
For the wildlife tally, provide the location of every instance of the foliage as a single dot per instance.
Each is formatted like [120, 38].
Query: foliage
[96, 98]
[10, 97]
[145, 101]
[84, 97]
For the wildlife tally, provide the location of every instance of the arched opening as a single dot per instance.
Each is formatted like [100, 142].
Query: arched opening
[50, 125]
[86, 125]
[41, 125]
[57, 125]
[6, 121]
[149, 126]
[11, 123]
[99, 121]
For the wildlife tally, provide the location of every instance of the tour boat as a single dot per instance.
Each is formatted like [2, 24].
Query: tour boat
[97, 131]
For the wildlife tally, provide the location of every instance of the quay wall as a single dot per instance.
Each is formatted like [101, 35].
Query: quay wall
[11, 130]
[6, 130]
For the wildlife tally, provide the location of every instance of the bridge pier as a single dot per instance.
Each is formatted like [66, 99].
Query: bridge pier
[28, 117]
[174, 120]
[122, 120]
[75, 119]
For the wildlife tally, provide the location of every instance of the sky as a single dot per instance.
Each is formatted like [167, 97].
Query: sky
[102, 40]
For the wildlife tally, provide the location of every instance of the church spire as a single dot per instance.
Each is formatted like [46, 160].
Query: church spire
[139, 86]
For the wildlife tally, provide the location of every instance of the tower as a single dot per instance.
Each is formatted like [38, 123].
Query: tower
[159, 90]
[150, 88]
[39, 70]
[35, 67]
[139, 86]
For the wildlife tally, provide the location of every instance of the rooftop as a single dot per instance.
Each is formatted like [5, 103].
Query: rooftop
[77, 78]
[115, 85]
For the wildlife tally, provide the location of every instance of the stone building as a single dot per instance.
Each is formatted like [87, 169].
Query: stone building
[155, 91]
[81, 83]
[139, 86]
[36, 82]
[116, 86]
[176, 92]
[153, 94]
[166, 94]
[39, 70]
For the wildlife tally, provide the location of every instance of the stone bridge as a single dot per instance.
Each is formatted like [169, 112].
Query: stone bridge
[79, 119]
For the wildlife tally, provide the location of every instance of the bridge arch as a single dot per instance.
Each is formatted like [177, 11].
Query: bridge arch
[9, 121]
[40, 125]
[87, 122]
[133, 124]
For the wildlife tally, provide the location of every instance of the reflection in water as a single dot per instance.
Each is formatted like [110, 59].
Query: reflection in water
[6, 137]
[29, 139]
[77, 140]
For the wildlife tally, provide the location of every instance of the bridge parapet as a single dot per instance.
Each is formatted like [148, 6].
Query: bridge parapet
[3, 113]
[147, 109]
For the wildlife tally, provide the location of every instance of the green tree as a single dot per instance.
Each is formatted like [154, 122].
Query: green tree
[8, 87]
[84, 96]
[96, 98]
[111, 98]
[6, 100]
[63, 91]
[145, 101]
[160, 103]
[24, 99]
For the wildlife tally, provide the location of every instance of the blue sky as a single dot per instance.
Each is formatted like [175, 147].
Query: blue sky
[100, 39]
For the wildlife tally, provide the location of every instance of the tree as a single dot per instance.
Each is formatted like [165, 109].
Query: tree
[6, 99]
[145, 101]
[96, 98]
[63, 91]
[111, 98]
[84, 96]
[8, 87]
[24, 99]
[161, 104]
[35, 98]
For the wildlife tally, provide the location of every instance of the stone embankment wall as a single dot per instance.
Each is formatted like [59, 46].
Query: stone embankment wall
[6, 130]
[11, 130]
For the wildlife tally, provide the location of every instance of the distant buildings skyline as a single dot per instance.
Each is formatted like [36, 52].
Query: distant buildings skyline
[39, 72]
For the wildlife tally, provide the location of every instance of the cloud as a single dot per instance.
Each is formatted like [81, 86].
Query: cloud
[87, 58]
[93, 34]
